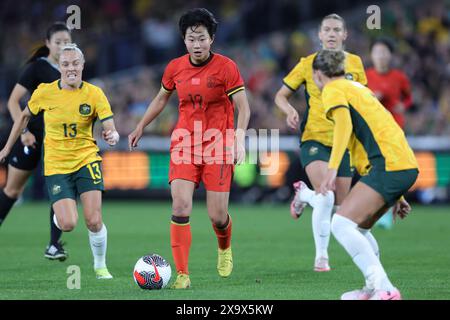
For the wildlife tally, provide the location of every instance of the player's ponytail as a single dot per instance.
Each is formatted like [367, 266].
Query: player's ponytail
[43, 51]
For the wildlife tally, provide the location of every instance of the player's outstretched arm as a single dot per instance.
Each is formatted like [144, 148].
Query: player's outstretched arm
[110, 134]
[241, 103]
[282, 101]
[154, 109]
[17, 128]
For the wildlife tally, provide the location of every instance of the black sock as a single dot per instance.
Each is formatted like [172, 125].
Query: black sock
[6, 204]
[55, 232]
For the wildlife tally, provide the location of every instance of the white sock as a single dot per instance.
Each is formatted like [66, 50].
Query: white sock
[98, 242]
[55, 221]
[359, 248]
[306, 195]
[373, 242]
[321, 222]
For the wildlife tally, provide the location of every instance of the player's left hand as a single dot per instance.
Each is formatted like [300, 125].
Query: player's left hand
[329, 183]
[111, 137]
[239, 155]
[401, 208]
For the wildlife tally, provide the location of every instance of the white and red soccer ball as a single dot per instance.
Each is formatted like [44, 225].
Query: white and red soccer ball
[152, 272]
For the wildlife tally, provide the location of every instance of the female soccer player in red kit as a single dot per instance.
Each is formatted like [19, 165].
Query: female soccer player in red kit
[391, 86]
[204, 145]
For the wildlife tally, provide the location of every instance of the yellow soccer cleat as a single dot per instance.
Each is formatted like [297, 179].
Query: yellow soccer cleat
[103, 273]
[225, 262]
[182, 282]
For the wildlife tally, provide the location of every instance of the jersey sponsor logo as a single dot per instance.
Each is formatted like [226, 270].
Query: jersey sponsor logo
[349, 76]
[85, 109]
[195, 81]
[56, 189]
[313, 151]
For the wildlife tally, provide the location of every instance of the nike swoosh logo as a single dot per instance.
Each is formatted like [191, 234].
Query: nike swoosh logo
[97, 182]
[50, 109]
[157, 277]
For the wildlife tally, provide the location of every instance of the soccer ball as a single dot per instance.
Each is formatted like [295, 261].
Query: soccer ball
[152, 272]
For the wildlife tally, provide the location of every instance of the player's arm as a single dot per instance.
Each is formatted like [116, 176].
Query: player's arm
[154, 109]
[19, 125]
[282, 101]
[343, 128]
[110, 134]
[241, 102]
[342, 131]
[19, 91]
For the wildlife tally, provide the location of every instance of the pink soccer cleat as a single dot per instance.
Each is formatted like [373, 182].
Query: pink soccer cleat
[321, 265]
[362, 294]
[296, 205]
[386, 295]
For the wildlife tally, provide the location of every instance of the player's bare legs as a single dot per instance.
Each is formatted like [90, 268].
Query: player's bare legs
[66, 214]
[98, 234]
[217, 204]
[362, 207]
[180, 230]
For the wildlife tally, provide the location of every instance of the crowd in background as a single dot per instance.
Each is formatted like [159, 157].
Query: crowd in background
[128, 43]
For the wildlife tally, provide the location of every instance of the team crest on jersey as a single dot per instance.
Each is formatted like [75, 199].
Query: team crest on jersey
[85, 109]
[212, 82]
[348, 76]
[56, 189]
[313, 151]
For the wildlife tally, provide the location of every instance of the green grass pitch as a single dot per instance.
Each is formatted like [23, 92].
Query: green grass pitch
[273, 255]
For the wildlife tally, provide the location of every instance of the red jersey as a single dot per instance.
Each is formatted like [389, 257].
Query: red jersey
[206, 111]
[391, 88]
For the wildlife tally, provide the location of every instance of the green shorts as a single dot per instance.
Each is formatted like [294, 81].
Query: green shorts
[312, 150]
[390, 184]
[70, 185]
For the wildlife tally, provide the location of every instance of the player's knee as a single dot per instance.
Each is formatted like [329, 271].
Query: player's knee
[181, 207]
[219, 218]
[94, 223]
[67, 225]
[12, 192]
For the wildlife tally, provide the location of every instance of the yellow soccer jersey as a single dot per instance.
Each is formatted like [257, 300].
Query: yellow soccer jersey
[315, 126]
[69, 117]
[376, 139]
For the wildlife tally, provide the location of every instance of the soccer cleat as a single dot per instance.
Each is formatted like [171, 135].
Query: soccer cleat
[182, 281]
[56, 252]
[296, 205]
[103, 273]
[321, 265]
[362, 294]
[386, 295]
[224, 262]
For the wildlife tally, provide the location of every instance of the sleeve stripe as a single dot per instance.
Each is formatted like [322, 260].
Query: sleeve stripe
[34, 114]
[107, 118]
[234, 90]
[167, 89]
[289, 87]
[335, 107]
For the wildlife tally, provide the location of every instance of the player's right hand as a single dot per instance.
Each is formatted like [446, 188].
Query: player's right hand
[134, 137]
[3, 155]
[292, 119]
[28, 139]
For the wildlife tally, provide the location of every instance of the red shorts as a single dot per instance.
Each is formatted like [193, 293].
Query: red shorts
[215, 177]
